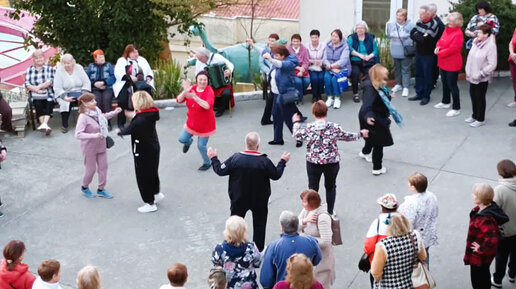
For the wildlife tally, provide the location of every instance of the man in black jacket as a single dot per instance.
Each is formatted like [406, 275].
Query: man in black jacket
[249, 188]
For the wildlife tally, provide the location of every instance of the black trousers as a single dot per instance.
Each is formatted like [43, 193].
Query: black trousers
[104, 99]
[377, 153]
[480, 277]
[449, 80]
[330, 172]
[478, 100]
[123, 101]
[356, 69]
[506, 252]
[259, 212]
[43, 107]
[222, 101]
[267, 111]
[146, 167]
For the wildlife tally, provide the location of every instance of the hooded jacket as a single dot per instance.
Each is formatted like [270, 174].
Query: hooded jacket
[284, 75]
[142, 129]
[505, 197]
[19, 277]
[484, 230]
[338, 54]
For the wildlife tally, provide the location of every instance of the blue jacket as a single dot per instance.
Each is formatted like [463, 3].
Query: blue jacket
[104, 72]
[265, 65]
[274, 268]
[339, 54]
[285, 74]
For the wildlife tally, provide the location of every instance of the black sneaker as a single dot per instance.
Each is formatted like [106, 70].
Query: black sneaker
[299, 144]
[513, 124]
[204, 167]
[186, 148]
[424, 101]
[495, 284]
[414, 98]
[273, 142]
[1, 214]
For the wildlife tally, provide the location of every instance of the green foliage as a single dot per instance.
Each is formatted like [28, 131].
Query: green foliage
[385, 54]
[167, 79]
[506, 13]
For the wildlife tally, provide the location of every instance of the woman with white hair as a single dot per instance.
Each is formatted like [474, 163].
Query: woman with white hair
[88, 278]
[70, 82]
[364, 54]
[237, 256]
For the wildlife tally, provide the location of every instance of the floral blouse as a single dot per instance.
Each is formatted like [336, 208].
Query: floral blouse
[239, 264]
[321, 138]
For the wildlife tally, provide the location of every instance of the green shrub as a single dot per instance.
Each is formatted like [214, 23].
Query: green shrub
[167, 79]
[506, 13]
[385, 53]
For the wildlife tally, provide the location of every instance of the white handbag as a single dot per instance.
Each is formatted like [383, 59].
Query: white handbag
[421, 278]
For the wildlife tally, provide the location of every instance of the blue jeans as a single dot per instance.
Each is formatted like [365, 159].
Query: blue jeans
[301, 84]
[331, 85]
[202, 142]
[281, 113]
[317, 81]
[424, 75]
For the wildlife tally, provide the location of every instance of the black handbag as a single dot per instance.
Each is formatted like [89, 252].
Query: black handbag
[364, 264]
[291, 96]
[408, 51]
[109, 142]
[368, 63]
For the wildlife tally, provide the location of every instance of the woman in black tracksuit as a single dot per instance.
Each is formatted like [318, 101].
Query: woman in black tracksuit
[146, 148]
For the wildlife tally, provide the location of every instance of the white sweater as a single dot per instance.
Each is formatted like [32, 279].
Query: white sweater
[40, 284]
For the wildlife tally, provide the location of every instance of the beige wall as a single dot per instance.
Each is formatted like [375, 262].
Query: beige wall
[224, 32]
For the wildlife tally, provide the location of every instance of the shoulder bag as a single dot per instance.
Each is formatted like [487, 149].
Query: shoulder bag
[336, 237]
[408, 51]
[363, 263]
[291, 96]
[421, 278]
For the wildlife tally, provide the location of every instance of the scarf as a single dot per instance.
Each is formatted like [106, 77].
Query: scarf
[98, 116]
[383, 92]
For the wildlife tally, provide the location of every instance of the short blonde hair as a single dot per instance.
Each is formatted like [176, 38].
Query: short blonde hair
[403, 12]
[484, 193]
[378, 75]
[142, 100]
[458, 21]
[399, 225]
[235, 231]
[300, 272]
[88, 278]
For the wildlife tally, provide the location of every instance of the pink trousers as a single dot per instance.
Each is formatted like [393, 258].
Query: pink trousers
[95, 163]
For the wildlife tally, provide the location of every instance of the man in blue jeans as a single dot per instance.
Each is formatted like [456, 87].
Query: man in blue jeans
[425, 35]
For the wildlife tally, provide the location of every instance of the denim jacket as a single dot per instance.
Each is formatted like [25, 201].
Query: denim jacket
[104, 72]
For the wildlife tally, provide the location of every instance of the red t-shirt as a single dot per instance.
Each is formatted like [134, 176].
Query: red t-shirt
[200, 121]
[285, 285]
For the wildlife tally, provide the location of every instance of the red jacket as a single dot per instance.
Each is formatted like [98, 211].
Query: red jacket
[513, 42]
[484, 230]
[449, 57]
[19, 278]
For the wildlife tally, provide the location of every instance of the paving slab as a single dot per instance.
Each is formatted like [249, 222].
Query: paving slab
[40, 181]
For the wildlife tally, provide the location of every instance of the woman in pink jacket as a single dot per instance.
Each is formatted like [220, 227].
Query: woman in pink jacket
[449, 59]
[480, 66]
[302, 76]
[91, 131]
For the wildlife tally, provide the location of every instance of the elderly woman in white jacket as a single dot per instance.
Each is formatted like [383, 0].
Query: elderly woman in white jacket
[70, 81]
[130, 69]
[315, 221]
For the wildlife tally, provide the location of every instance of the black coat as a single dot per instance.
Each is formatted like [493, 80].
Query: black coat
[249, 177]
[373, 106]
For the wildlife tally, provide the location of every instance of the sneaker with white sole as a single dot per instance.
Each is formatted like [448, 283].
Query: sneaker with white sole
[383, 170]
[511, 279]
[494, 284]
[329, 101]
[442, 105]
[41, 127]
[104, 194]
[158, 197]
[405, 92]
[453, 112]
[511, 104]
[148, 208]
[367, 157]
[336, 104]
[477, 123]
[396, 88]
[469, 120]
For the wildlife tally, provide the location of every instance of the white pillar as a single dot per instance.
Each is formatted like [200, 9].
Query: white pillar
[358, 10]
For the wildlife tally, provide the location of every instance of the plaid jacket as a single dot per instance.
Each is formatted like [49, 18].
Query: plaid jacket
[484, 230]
[35, 77]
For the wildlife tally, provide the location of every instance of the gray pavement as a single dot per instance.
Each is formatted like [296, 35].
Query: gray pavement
[40, 181]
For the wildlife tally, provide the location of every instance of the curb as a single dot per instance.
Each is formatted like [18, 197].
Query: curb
[240, 96]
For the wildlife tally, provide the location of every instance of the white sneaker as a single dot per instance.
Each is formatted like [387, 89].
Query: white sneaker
[477, 123]
[452, 113]
[383, 170]
[469, 120]
[511, 104]
[396, 88]
[405, 92]
[367, 157]
[329, 101]
[442, 105]
[147, 208]
[336, 104]
[41, 127]
[158, 197]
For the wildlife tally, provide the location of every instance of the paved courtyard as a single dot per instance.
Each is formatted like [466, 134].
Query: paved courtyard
[40, 182]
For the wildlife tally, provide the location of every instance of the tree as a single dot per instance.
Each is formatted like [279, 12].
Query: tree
[506, 13]
[82, 26]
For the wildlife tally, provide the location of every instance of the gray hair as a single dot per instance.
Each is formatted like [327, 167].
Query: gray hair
[68, 58]
[203, 51]
[361, 23]
[425, 7]
[37, 52]
[432, 8]
[252, 140]
[289, 222]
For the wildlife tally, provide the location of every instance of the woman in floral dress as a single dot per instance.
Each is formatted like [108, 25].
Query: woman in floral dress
[238, 257]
